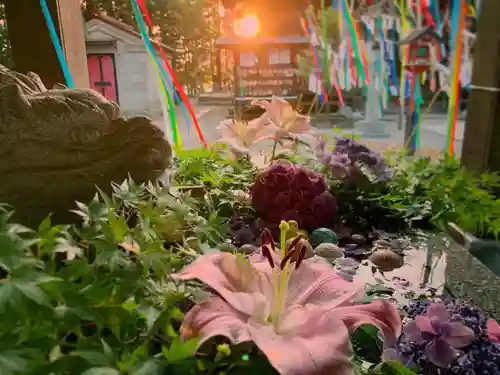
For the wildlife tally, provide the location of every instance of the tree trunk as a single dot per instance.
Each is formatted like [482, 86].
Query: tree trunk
[32, 47]
[482, 129]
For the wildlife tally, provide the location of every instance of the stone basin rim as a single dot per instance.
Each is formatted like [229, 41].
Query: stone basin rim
[470, 242]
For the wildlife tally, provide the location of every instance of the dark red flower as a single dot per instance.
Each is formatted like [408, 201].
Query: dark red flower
[286, 191]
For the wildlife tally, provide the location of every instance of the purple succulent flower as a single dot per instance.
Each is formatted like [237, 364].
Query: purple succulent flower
[391, 352]
[440, 335]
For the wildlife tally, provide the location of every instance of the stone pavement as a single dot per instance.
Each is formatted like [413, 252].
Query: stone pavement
[432, 137]
[433, 133]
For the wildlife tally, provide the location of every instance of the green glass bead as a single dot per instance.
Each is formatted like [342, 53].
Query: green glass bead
[323, 235]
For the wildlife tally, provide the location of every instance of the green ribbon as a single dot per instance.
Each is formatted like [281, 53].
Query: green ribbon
[352, 32]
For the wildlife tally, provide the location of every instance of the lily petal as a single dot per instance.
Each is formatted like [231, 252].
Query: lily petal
[318, 284]
[440, 353]
[214, 317]
[232, 277]
[241, 136]
[282, 107]
[459, 335]
[259, 128]
[315, 342]
[272, 112]
[229, 128]
[299, 124]
[380, 313]
[493, 330]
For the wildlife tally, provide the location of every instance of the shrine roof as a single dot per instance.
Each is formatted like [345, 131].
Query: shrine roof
[130, 30]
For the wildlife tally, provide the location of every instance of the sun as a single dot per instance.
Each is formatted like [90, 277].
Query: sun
[247, 27]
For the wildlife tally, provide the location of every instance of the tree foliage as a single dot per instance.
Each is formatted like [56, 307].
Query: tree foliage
[189, 26]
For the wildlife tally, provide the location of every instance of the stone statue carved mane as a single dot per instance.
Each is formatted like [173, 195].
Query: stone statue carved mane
[57, 145]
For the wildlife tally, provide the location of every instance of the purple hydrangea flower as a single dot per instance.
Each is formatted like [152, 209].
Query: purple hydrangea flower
[440, 335]
[351, 159]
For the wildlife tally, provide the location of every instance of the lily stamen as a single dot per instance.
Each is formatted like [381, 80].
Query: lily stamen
[266, 238]
[267, 253]
[301, 256]
[288, 258]
[292, 253]
[293, 244]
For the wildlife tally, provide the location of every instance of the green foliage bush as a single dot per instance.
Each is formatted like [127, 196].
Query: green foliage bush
[441, 191]
[97, 298]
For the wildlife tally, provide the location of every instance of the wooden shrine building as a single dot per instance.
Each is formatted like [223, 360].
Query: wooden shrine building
[265, 42]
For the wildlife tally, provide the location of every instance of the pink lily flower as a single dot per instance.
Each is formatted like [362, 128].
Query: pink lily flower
[493, 331]
[288, 122]
[298, 311]
[241, 136]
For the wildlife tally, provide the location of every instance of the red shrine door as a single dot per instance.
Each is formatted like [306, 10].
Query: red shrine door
[102, 75]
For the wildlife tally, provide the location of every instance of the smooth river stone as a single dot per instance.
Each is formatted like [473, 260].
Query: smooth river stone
[386, 260]
[323, 235]
[358, 239]
[328, 251]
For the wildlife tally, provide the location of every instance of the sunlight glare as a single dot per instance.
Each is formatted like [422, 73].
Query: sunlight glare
[247, 26]
[222, 11]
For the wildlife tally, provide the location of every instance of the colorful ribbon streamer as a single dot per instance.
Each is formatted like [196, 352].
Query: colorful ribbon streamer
[178, 85]
[404, 55]
[308, 29]
[460, 11]
[151, 52]
[57, 44]
[354, 37]
[326, 45]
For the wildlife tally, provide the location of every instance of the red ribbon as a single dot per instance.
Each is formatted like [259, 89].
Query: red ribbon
[177, 84]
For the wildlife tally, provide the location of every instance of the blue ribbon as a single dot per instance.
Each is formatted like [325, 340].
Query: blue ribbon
[392, 63]
[57, 44]
[434, 6]
[455, 15]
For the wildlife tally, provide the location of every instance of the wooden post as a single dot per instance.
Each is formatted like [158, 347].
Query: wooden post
[481, 144]
[32, 48]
